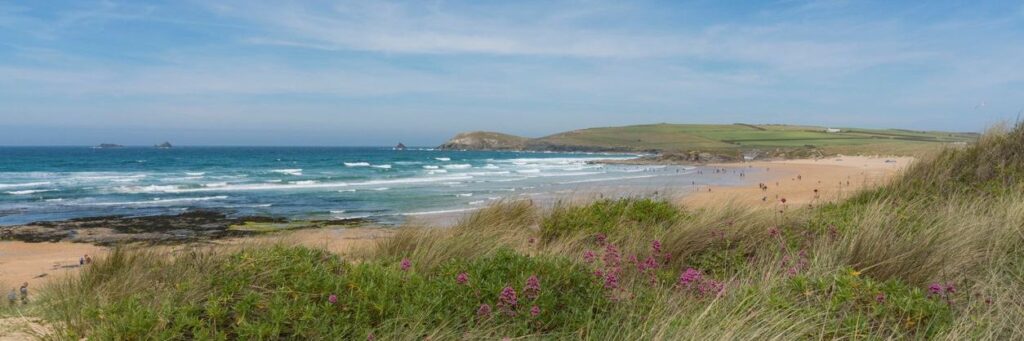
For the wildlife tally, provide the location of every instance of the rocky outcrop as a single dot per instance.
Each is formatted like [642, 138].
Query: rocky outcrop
[165, 145]
[400, 146]
[188, 226]
[483, 140]
[108, 145]
[191, 226]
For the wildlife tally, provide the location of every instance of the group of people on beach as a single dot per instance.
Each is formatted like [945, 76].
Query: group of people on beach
[12, 297]
[22, 291]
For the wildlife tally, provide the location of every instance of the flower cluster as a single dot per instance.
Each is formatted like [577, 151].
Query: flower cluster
[532, 289]
[462, 278]
[939, 290]
[693, 280]
[508, 301]
[406, 264]
[589, 256]
[484, 311]
[794, 268]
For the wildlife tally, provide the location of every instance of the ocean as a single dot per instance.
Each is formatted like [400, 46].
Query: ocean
[380, 184]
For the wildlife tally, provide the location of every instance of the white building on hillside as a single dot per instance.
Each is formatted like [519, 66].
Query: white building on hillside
[833, 130]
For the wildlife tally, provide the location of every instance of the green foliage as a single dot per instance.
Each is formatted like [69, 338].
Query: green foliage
[859, 305]
[282, 292]
[608, 216]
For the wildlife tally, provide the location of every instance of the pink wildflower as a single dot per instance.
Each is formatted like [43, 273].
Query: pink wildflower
[710, 286]
[370, 337]
[484, 310]
[406, 264]
[601, 238]
[588, 256]
[611, 281]
[507, 301]
[598, 273]
[880, 298]
[535, 311]
[950, 288]
[689, 277]
[611, 256]
[774, 232]
[934, 289]
[532, 289]
[649, 264]
[332, 299]
[462, 278]
[656, 246]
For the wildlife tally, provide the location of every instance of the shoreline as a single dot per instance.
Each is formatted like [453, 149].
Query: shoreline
[791, 179]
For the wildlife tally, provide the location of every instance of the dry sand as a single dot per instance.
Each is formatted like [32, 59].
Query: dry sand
[796, 180]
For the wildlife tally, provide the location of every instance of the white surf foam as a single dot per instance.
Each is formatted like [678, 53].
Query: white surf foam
[29, 191]
[443, 158]
[357, 164]
[27, 184]
[295, 172]
[154, 202]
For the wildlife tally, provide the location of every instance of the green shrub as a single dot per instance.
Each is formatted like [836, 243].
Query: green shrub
[852, 304]
[283, 292]
[607, 216]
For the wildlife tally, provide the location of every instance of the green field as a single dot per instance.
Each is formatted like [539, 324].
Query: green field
[721, 138]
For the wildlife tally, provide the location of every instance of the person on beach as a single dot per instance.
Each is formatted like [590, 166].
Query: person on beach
[88, 260]
[12, 297]
[24, 293]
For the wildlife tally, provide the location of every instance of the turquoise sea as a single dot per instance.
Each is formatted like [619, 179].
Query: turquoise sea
[382, 184]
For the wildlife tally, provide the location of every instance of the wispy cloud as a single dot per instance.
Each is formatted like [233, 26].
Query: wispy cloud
[552, 65]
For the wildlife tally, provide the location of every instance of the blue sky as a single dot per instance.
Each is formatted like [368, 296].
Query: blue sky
[375, 73]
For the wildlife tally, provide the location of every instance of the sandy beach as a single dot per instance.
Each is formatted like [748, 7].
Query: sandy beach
[794, 180]
[801, 181]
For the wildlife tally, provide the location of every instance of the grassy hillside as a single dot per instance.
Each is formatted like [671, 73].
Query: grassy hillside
[733, 138]
[938, 253]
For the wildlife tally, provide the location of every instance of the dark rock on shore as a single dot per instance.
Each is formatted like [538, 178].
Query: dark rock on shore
[165, 145]
[185, 227]
[192, 226]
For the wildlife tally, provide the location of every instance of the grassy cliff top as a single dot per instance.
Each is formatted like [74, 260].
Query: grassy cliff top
[731, 137]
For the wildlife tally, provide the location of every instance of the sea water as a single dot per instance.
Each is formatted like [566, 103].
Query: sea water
[58, 183]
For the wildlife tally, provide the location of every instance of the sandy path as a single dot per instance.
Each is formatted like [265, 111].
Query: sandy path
[796, 181]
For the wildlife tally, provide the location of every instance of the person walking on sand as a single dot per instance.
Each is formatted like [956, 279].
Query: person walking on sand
[12, 297]
[24, 293]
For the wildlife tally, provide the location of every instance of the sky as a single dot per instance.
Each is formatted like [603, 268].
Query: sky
[375, 73]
